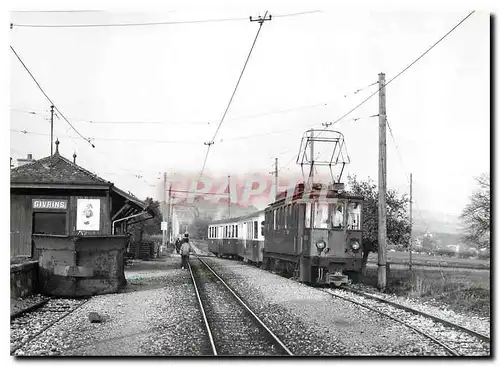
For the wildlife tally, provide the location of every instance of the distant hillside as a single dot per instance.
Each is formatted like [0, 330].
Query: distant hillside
[436, 222]
[220, 210]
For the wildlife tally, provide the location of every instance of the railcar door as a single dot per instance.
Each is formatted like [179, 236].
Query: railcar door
[337, 230]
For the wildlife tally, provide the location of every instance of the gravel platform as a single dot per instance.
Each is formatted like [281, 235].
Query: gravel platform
[156, 315]
[311, 322]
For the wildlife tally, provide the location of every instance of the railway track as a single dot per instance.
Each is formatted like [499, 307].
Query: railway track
[29, 325]
[233, 328]
[456, 339]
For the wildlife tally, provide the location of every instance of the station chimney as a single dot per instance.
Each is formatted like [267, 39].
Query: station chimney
[29, 159]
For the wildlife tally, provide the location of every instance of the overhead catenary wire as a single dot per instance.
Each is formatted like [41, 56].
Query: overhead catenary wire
[153, 23]
[406, 174]
[110, 139]
[406, 68]
[395, 77]
[211, 142]
[250, 116]
[48, 98]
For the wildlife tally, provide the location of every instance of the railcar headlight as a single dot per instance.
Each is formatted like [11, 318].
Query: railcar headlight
[320, 245]
[355, 245]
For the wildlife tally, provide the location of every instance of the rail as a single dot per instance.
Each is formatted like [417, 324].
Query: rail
[262, 324]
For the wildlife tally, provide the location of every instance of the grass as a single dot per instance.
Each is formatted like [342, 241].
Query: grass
[461, 290]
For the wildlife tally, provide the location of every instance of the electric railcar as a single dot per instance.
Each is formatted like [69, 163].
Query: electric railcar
[315, 235]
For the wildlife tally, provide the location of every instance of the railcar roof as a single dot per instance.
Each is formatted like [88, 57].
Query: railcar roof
[299, 198]
[239, 218]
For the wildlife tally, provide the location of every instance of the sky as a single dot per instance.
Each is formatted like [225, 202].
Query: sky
[174, 83]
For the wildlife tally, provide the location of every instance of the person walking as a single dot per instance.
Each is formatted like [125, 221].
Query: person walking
[185, 249]
[178, 245]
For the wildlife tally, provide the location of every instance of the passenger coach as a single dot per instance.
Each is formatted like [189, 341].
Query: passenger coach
[240, 237]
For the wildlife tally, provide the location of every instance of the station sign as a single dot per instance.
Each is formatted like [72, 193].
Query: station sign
[51, 204]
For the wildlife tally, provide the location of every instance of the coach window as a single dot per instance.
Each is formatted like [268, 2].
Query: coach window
[255, 229]
[286, 217]
[236, 230]
[275, 224]
[282, 218]
[321, 215]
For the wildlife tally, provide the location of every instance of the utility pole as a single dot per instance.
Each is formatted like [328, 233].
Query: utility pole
[164, 207]
[311, 172]
[275, 173]
[229, 195]
[260, 19]
[51, 129]
[169, 216]
[411, 214]
[382, 187]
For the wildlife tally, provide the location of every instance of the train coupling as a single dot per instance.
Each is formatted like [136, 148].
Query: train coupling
[338, 279]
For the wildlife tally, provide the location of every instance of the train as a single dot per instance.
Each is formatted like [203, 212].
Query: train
[314, 236]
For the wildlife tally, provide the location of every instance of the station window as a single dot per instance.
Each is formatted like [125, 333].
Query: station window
[52, 223]
[255, 229]
[236, 227]
[275, 222]
[338, 215]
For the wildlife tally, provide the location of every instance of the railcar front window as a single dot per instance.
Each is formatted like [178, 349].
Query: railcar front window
[321, 216]
[354, 216]
[338, 216]
[308, 215]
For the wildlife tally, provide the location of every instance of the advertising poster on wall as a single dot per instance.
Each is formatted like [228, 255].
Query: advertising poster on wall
[88, 214]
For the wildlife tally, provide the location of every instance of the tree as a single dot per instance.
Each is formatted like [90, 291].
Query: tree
[398, 223]
[476, 215]
[148, 227]
[199, 227]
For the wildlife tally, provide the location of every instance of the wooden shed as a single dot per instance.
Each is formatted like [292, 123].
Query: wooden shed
[57, 207]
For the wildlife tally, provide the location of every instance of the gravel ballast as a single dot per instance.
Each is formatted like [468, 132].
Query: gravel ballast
[158, 317]
[311, 322]
[235, 331]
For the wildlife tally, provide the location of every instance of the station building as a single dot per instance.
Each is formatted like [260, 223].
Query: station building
[73, 223]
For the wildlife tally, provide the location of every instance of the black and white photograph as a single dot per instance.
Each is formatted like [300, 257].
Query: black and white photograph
[252, 180]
